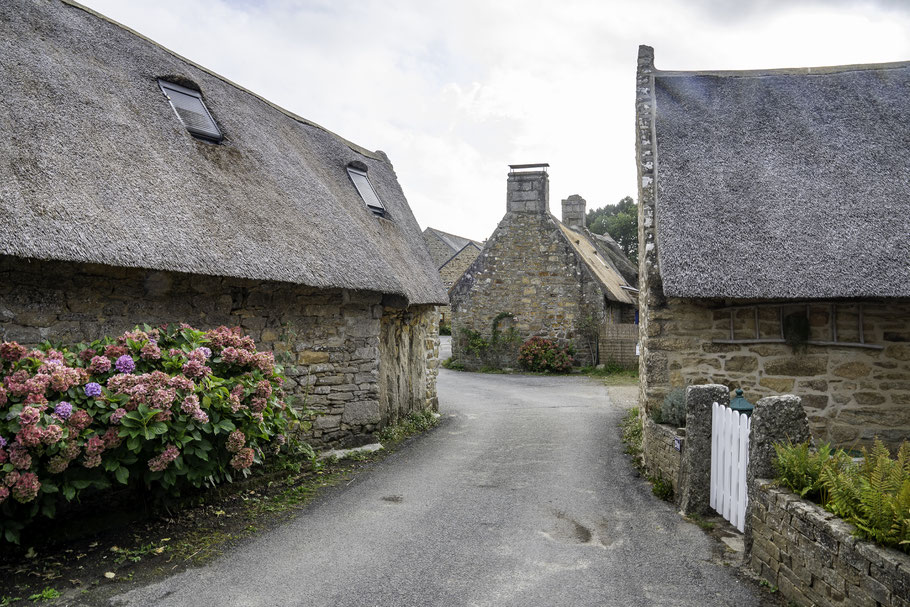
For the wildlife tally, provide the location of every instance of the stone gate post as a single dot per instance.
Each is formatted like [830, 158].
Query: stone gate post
[695, 481]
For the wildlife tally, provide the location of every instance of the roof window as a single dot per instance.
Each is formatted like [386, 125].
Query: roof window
[191, 111]
[357, 171]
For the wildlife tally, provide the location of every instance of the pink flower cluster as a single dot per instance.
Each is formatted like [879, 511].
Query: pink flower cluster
[156, 388]
[12, 351]
[224, 337]
[164, 459]
[235, 442]
[191, 407]
[243, 459]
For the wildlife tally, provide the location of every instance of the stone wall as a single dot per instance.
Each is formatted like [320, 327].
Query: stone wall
[851, 394]
[659, 452]
[813, 558]
[456, 266]
[328, 339]
[408, 361]
[440, 252]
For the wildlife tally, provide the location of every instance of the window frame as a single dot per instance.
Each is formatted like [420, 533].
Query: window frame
[379, 211]
[832, 316]
[166, 85]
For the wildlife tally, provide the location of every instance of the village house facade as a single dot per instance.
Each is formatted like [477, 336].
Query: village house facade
[452, 255]
[139, 187]
[774, 235]
[537, 276]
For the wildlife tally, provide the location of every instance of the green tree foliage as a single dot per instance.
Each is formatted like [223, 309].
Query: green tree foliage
[620, 221]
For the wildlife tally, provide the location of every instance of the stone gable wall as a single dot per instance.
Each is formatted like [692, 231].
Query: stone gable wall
[529, 270]
[327, 339]
[452, 271]
[440, 252]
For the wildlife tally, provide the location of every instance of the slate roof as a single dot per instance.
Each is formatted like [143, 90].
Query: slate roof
[456, 243]
[97, 168]
[783, 183]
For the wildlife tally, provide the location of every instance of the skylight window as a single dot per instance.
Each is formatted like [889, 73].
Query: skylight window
[191, 111]
[365, 189]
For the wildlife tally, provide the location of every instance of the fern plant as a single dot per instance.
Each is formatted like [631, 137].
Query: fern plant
[874, 494]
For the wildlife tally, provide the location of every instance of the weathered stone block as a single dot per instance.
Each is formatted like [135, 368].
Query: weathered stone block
[797, 366]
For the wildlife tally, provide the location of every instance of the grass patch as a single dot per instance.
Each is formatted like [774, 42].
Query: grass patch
[47, 594]
[612, 374]
[662, 488]
[706, 525]
[453, 364]
[415, 423]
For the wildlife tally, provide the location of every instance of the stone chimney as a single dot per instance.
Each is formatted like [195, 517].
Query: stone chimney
[573, 212]
[528, 189]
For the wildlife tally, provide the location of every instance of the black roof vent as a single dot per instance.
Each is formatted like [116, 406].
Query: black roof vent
[191, 111]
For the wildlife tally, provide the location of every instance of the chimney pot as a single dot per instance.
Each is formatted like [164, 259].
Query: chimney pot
[528, 189]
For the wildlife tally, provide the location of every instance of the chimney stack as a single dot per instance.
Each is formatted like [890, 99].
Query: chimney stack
[528, 189]
[573, 212]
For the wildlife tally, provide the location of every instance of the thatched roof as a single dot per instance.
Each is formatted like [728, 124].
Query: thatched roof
[97, 168]
[783, 183]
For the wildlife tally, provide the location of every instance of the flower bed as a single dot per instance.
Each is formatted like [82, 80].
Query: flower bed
[164, 409]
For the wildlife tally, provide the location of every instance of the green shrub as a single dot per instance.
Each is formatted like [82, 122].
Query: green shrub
[542, 355]
[158, 409]
[673, 409]
[632, 432]
[445, 329]
[662, 488]
[873, 495]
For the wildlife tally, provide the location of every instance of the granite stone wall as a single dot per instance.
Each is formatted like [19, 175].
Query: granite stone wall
[409, 361]
[327, 339]
[813, 558]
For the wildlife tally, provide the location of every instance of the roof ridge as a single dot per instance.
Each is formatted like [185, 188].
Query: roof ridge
[788, 71]
[288, 113]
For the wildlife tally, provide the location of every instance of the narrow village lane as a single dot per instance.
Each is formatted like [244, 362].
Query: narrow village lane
[522, 496]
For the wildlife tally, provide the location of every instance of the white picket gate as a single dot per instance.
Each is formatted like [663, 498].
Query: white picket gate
[729, 459]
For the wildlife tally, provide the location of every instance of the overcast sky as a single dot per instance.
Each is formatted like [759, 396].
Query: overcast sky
[456, 90]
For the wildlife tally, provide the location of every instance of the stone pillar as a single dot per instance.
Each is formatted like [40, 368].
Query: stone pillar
[528, 192]
[776, 419]
[573, 212]
[695, 481]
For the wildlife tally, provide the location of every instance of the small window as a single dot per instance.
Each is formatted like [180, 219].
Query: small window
[365, 189]
[191, 111]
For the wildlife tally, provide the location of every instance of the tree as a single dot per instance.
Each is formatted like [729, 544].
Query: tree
[620, 221]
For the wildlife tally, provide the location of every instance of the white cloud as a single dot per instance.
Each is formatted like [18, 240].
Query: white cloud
[455, 91]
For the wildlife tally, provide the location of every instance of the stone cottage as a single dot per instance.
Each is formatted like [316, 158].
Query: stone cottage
[774, 231]
[452, 255]
[537, 276]
[139, 187]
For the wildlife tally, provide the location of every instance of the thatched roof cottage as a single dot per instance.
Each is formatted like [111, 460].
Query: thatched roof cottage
[775, 239]
[137, 186]
[540, 277]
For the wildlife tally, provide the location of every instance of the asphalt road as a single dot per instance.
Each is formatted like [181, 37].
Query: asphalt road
[522, 496]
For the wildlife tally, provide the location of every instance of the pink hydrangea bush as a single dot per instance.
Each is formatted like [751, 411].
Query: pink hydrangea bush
[166, 408]
[540, 354]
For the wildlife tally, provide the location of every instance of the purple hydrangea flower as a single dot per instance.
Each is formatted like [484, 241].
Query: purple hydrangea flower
[125, 364]
[2, 442]
[93, 389]
[64, 409]
[206, 352]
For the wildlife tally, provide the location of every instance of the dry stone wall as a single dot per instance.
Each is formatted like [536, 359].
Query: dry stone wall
[813, 558]
[328, 339]
[661, 458]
